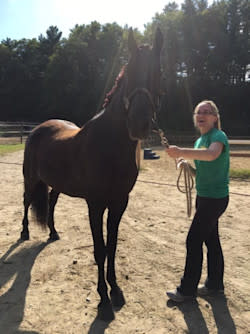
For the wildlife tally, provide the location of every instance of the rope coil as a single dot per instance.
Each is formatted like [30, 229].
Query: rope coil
[188, 184]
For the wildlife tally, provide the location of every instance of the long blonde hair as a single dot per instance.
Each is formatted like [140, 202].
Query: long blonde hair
[214, 109]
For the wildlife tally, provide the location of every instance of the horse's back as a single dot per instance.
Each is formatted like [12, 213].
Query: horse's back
[50, 150]
[51, 132]
[56, 128]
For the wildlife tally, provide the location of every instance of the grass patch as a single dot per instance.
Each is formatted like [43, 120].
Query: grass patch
[10, 148]
[240, 173]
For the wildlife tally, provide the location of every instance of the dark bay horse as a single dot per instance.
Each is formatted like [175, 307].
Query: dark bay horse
[96, 162]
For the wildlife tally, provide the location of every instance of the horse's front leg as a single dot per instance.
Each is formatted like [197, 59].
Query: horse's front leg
[96, 210]
[116, 210]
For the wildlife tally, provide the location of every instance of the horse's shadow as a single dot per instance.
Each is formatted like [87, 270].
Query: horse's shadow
[16, 267]
[194, 318]
[98, 326]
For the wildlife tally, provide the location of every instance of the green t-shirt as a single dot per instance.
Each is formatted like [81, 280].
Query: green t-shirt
[212, 177]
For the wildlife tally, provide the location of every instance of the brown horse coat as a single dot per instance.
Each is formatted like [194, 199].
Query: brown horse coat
[96, 162]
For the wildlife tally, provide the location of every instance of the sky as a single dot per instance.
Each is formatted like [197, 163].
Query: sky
[30, 18]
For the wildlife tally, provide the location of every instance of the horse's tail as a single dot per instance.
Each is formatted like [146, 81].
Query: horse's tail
[39, 203]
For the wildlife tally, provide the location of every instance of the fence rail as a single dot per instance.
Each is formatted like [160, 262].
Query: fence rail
[15, 131]
[19, 131]
[189, 139]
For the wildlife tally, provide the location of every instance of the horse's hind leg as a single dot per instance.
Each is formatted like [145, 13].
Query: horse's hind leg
[53, 197]
[25, 231]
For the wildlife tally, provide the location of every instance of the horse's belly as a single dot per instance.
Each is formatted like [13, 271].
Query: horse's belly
[88, 178]
[104, 188]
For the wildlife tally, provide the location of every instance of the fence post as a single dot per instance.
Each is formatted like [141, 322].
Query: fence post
[21, 133]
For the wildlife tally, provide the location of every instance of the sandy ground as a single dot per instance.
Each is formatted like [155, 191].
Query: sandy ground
[51, 288]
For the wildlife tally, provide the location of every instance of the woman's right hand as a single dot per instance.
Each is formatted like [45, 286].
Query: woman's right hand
[173, 151]
[180, 162]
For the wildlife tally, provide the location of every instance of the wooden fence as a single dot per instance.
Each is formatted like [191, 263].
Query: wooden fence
[15, 132]
[188, 139]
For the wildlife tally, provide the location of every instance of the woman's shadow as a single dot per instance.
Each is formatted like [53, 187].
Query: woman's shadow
[195, 321]
[16, 267]
[222, 315]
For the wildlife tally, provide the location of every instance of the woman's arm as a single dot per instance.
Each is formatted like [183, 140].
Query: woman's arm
[209, 154]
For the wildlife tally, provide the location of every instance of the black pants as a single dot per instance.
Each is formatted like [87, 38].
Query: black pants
[204, 228]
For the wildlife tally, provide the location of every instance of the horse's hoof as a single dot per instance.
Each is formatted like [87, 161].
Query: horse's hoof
[117, 298]
[24, 236]
[54, 237]
[105, 311]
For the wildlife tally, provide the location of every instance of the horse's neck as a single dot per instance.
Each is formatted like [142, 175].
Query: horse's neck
[115, 111]
[116, 105]
[113, 119]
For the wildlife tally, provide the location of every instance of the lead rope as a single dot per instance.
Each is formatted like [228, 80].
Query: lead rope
[188, 184]
[184, 168]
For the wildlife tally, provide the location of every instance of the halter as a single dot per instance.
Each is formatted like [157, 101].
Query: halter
[145, 91]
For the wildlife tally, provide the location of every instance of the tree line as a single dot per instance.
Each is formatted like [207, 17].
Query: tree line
[206, 55]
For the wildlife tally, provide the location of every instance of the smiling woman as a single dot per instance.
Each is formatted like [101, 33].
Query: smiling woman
[211, 158]
[206, 116]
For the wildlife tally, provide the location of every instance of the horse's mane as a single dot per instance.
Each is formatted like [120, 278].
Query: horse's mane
[117, 84]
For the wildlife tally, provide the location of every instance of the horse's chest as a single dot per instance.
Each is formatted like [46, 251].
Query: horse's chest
[111, 181]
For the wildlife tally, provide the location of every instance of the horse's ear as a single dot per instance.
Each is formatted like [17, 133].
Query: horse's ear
[132, 46]
[158, 41]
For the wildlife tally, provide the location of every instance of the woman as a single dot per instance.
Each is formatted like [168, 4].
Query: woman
[211, 158]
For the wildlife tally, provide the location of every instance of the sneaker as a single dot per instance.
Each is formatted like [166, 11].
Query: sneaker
[204, 291]
[178, 297]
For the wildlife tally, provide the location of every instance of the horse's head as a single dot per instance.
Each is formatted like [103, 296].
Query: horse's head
[143, 85]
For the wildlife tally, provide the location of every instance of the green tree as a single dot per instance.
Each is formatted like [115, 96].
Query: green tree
[49, 42]
[20, 78]
[78, 72]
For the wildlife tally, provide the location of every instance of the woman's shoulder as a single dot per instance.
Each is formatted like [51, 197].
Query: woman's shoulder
[216, 133]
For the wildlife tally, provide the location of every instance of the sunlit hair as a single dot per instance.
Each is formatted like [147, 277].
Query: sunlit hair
[111, 93]
[215, 112]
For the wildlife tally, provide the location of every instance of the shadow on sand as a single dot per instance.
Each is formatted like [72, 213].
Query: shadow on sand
[195, 321]
[98, 326]
[16, 267]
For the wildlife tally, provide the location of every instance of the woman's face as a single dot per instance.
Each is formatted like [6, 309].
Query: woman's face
[205, 118]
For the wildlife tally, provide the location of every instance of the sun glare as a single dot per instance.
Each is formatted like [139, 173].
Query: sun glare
[133, 13]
